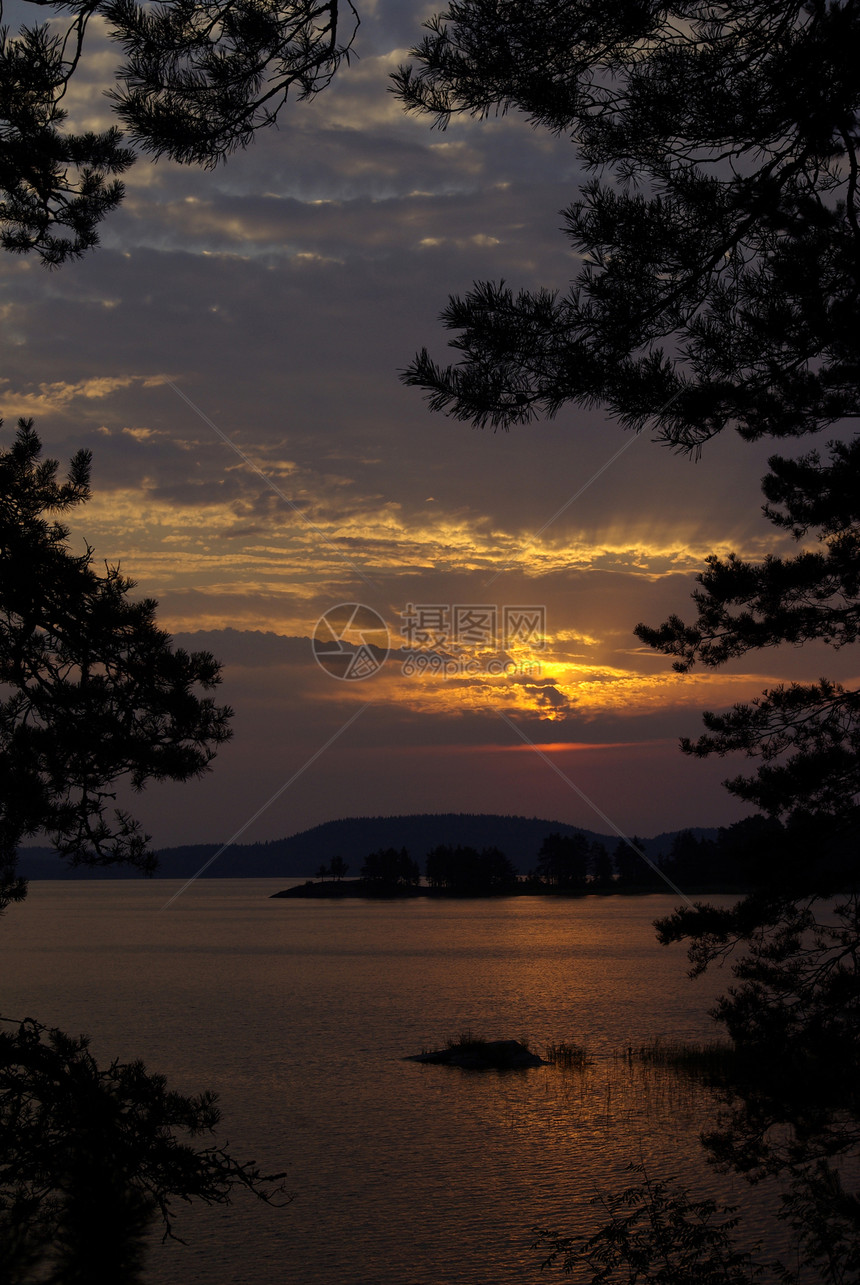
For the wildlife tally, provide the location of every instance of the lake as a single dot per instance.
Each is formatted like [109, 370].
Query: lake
[299, 1014]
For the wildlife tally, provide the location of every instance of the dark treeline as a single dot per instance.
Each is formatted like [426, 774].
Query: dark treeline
[574, 863]
[693, 861]
[301, 855]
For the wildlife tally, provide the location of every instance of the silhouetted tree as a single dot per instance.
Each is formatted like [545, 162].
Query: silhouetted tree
[338, 869]
[807, 736]
[563, 860]
[753, 844]
[439, 866]
[793, 1009]
[468, 872]
[89, 1157]
[687, 862]
[719, 286]
[496, 870]
[390, 868]
[653, 1225]
[92, 691]
[600, 865]
[197, 82]
[800, 971]
[719, 280]
[632, 871]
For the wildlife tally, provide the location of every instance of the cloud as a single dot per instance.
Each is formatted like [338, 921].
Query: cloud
[49, 398]
[282, 293]
[404, 757]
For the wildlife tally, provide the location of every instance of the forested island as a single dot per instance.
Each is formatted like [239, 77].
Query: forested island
[565, 864]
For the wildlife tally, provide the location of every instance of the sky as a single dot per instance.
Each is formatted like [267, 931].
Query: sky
[230, 354]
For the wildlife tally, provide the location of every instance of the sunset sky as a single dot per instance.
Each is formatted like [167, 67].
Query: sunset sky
[272, 302]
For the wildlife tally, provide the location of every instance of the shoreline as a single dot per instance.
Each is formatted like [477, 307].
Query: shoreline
[357, 889]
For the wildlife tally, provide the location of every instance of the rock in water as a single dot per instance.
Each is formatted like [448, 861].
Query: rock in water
[482, 1055]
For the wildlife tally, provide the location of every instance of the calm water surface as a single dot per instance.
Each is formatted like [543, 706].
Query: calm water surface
[299, 1015]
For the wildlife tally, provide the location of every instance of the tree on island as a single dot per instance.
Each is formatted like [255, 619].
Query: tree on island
[563, 861]
[468, 872]
[632, 871]
[390, 869]
[91, 692]
[197, 83]
[600, 866]
[338, 869]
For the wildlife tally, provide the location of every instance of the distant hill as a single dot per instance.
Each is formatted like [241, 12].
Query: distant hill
[352, 838]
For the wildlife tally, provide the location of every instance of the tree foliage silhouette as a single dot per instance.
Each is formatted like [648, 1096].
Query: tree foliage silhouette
[719, 286]
[199, 79]
[466, 871]
[563, 860]
[798, 991]
[656, 1232]
[806, 735]
[90, 1156]
[91, 690]
[390, 868]
[720, 247]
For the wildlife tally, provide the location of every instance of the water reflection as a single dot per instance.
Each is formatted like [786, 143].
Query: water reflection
[790, 1127]
[299, 1016]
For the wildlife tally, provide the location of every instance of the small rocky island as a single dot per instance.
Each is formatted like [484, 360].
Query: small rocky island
[482, 1055]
